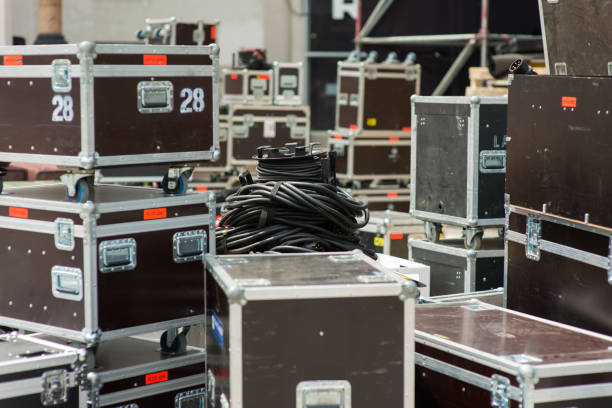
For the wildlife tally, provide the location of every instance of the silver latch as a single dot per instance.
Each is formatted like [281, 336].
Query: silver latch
[190, 399]
[298, 132]
[533, 234]
[117, 255]
[67, 283]
[155, 96]
[499, 391]
[342, 99]
[493, 161]
[64, 234]
[240, 132]
[354, 100]
[288, 81]
[188, 246]
[223, 402]
[223, 134]
[54, 388]
[199, 36]
[310, 394]
[210, 384]
[61, 80]
[560, 68]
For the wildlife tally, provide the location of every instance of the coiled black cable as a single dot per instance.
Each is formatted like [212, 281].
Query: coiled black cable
[291, 216]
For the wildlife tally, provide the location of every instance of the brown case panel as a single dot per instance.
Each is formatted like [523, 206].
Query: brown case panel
[245, 149]
[141, 380]
[157, 290]
[233, 83]
[138, 215]
[289, 71]
[387, 102]
[134, 133]
[138, 59]
[25, 292]
[341, 157]
[347, 116]
[373, 160]
[269, 75]
[26, 118]
[184, 33]
[403, 206]
[560, 155]
[349, 85]
[166, 399]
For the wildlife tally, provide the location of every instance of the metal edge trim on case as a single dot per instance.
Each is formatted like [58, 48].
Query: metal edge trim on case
[544, 42]
[154, 49]
[413, 152]
[137, 227]
[505, 295]
[589, 258]
[20, 388]
[90, 273]
[43, 328]
[462, 374]
[469, 280]
[34, 71]
[323, 291]
[86, 55]
[459, 221]
[181, 157]
[473, 136]
[147, 328]
[67, 356]
[568, 222]
[460, 252]
[124, 71]
[42, 227]
[68, 161]
[166, 364]
[167, 201]
[54, 49]
[235, 354]
[409, 346]
[149, 390]
[465, 100]
[577, 392]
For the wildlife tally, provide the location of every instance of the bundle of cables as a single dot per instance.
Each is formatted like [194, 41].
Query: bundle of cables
[295, 207]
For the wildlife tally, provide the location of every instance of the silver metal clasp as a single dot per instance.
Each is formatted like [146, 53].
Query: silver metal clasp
[190, 399]
[67, 283]
[117, 255]
[61, 80]
[342, 99]
[188, 246]
[560, 68]
[211, 385]
[64, 234]
[54, 387]
[493, 161]
[354, 100]
[335, 394]
[155, 96]
[223, 402]
[499, 391]
[533, 234]
[199, 36]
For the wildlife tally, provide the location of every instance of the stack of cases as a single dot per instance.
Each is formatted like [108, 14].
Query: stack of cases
[169, 31]
[266, 108]
[559, 220]
[388, 232]
[372, 131]
[98, 263]
[298, 339]
[458, 170]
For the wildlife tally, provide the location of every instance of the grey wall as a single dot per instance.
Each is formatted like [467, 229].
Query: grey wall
[244, 23]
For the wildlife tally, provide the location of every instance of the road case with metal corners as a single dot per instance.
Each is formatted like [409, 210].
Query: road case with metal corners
[576, 37]
[169, 31]
[288, 83]
[371, 159]
[36, 373]
[132, 373]
[385, 198]
[455, 269]
[255, 126]
[408, 270]
[558, 269]
[478, 355]
[560, 148]
[374, 98]
[90, 106]
[387, 232]
[458, 163]
[291, 329]
[221, 165]
[248, 86]
[128, 262]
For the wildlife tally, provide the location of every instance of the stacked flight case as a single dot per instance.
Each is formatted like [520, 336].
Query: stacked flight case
[559, 223]
[95, 263]
[458, 164]
[300, 339]
[388, 232]
[170, 31]
[372, 130]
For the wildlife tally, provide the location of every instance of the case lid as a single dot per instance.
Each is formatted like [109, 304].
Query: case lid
[483, 331]
[21, 353]
[303, 275]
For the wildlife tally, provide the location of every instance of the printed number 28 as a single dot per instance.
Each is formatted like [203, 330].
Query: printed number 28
[194, 100]
[64, 111]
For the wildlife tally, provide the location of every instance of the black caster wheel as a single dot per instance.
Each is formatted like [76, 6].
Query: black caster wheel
[178, 346]
[433, 231]
[178, 186]
[475, 243]
[83, 190]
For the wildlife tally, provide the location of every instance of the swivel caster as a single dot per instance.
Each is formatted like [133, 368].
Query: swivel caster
[174, 342]
[433, 231]
[472, 238]
[176, 180]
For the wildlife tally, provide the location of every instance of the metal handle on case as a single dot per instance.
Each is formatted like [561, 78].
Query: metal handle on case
[61, 80]
[155, 96]
[67, 283]
[354, 100]
[342, 99]
[189, 246]
[493, 161]
[332, 394]
[117, 255]
[190, 399]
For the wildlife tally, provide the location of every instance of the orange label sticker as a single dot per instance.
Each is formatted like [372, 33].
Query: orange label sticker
[353, 127]
[234, 76]
[156, 377]
[17, 212]
[337, 137]
[406, 129]
[13, 60]
[154, 213]
[266, 77]
[397, 236]
[394, 194]
[394, 139]
[218, 220]
[213, 32]
[202, 188]
[149, 59]
[569, 101]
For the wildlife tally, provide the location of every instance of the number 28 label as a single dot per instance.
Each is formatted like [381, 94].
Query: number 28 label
[193, 100]
[64, 108]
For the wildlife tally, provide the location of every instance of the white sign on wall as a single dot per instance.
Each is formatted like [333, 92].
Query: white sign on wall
[342, 7]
